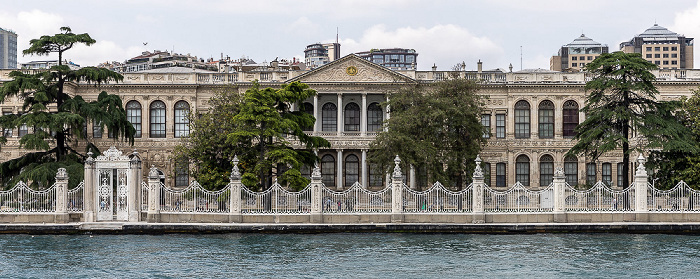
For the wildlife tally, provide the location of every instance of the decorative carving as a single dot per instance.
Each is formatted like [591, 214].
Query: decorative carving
[153, 173]
[641, 170]
[61, 174]
[316, 173]
[235, 172]
[397, 170]
[478, 173]
[559, 172]
[90, 160]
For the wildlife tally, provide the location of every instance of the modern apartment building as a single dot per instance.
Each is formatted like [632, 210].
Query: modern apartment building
[665, 48]
[575, 55]
[397, 59]
[8, 49]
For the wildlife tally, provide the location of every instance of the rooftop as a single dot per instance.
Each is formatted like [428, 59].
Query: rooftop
[583, 41]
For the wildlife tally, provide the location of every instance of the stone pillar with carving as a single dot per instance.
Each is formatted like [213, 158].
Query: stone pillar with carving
[640, 186]
[62, 196]
[559, 183]
[478, 192]
[89, 186]
[397, 192]
[134, 181]
[153, 215]
[235, 193]
[316, 196]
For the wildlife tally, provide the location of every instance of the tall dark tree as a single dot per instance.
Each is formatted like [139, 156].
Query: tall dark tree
[436, 128]
[622, 99]
[57, 118]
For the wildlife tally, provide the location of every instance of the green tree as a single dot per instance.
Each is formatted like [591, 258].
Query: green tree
[622, 98]
[263, 127]
[436, 128]
[56, 117]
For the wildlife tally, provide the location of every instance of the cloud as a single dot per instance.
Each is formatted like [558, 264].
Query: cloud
[688, 23]
[100, 52]
[30, 25]
[303, 26]
[443, 45]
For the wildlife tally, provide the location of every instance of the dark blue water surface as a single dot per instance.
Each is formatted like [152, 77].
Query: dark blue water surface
[350, 256]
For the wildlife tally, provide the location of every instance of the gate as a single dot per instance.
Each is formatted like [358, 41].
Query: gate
[116, 194]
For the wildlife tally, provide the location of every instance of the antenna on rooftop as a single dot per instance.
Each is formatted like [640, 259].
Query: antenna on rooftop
[336, 34]
[521, 58]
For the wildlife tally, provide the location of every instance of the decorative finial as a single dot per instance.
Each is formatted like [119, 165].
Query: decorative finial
[89, 160]
[478, 173]
[559, 172]
[235, 172]
[641, 170]
[316, 173]
[61, 174]
[153, 173]
[397, 169]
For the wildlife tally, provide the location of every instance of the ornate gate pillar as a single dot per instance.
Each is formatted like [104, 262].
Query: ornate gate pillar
[235, 193]
[397, 193]
[153, 215]
[61, 196]
[478, 193]
[559, 182]
[640, 186]
[316, 196]
[135, 188]
[89, 190]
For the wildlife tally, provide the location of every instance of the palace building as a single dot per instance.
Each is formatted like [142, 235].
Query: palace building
[531, 115]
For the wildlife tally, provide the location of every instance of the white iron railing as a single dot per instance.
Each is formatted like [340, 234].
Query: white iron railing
[680, 198]
[275, 200]
[598, 198]
[437, 199]
[519, 199]
[356, 199]
[144, 196]
[194, 199]
[75, 198]
[23, 199]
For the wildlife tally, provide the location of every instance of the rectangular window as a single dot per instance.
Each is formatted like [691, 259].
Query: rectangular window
[607, 173]
[620, 172]
[665, 48]
[501, 175]
[657, 49]
[574, 58]
[674, 62]
[7, 132]
[657, 62]
[590, 174]
[97, 130]
[674, 55]
[665, 55]
[648, 48]
[571, 172]
[589, 58]
[23, 130]
[487, 173]
[500, 126]
[573, 64]
[665, 62]
[486, 122]
[648, 55]
[657, 55]
[674, 48]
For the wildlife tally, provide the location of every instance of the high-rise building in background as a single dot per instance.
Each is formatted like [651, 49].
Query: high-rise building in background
[318, 54]
[574, 56]
[393, 58]
[665, 48]
[8, 49]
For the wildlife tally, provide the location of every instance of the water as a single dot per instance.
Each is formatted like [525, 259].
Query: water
[350, 256]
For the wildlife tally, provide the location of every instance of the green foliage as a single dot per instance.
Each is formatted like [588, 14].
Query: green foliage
[435, 128]
[56, 118]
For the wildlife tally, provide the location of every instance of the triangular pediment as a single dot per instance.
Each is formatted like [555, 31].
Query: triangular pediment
[352, 68]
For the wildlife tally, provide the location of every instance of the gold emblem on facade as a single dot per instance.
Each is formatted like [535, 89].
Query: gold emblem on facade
[351, 70]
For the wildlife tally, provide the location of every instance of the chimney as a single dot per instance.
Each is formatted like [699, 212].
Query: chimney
[434, 67]
[478, 66]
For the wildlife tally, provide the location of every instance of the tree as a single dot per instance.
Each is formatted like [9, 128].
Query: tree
[622, 98]
[435, 128]
[57, 118]
[263, 127]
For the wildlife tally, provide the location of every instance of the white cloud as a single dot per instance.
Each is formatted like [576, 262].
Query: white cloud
[303, 25]
[443, 45]
[30, 25]
[688, 23]
[100, 52]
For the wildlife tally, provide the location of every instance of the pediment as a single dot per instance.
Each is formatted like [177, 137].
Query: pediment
[352, 69]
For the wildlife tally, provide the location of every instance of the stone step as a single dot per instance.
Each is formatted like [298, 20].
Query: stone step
[102, 226]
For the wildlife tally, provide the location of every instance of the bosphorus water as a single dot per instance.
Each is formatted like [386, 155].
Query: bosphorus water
[350, 255]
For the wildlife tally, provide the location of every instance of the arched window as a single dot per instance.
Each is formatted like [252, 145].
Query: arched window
[133, 114]
[308, 108]
[570, 115]
[328, 170]
[501, 175]
[522, 170]
[352, 117]
[157, 119]
[352, 170]
[375, 117]
[546, 119]
[546, 170]
[376, 177]
[522, 120]
[571, 170]
[329, 121]
[182, 123]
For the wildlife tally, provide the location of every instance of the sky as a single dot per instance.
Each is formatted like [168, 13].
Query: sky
[524, 33]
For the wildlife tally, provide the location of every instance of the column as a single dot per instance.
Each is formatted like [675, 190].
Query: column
[134, 183]
[478, 192]
[316, 109]
[339, 174]
[340, 114]
[559, 182]
[316, 196]
[62, 196]
[396, 193]
[364, 169]
[640, 186]
[153, 215]
[387, 113]
[363, 116]
[235, 193]
[412, 177]
[89, 189]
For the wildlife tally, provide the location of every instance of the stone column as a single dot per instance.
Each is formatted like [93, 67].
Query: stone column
[340, 115]
[412, 177]
[364, 169]
[89, 189]
[316, 196]
[134, 199]
[640, 190]
[396, 193]
[339, 167]
[235, 193]
[559, 200]
[478, 193]
[316, 108]
[363, 115]
[62, 196]
[153, 215]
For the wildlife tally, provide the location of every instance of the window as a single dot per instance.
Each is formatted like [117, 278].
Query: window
[182, 123]
[328, 170]
[571, 170]
[329, 117]
[573, 64]
[546, 170]
[501, 175]
[657, 62]
[674, 55]
[305, 171]
[583, 58]
[665, 55]
[674, 62]
[522, 170]
[23, 130]
[590, 173]
[665, 48]
[620, 173]
[157, 119]
[7, 132]
[375, 117]
[487, 173]
[674, 48]
[648, 48]
[607, 173]
[309, 109]
[546, 118]
[648, 55]
[665, 62]
[500, 126]
[589, 58]
[486, 122]
[570, 113]
[574, 58]
[133, 114]
[97, 130]
[352, 170]
[352, 117]
[522, 120]
[657, 49]
[375, 176]
[182, 176]
[658, 55]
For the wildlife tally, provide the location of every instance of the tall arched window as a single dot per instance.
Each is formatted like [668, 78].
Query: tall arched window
[308, 108]
[352, 117]
[546, 170]
[157, 119]
[546, 119]
[522, 120]
[328, 170]
[570, 115]
[133, 114]
[375, 117]
[571, 170]
[352, 170]
[329, 117]
[376, 177]
[522, 170]
[182, 124]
